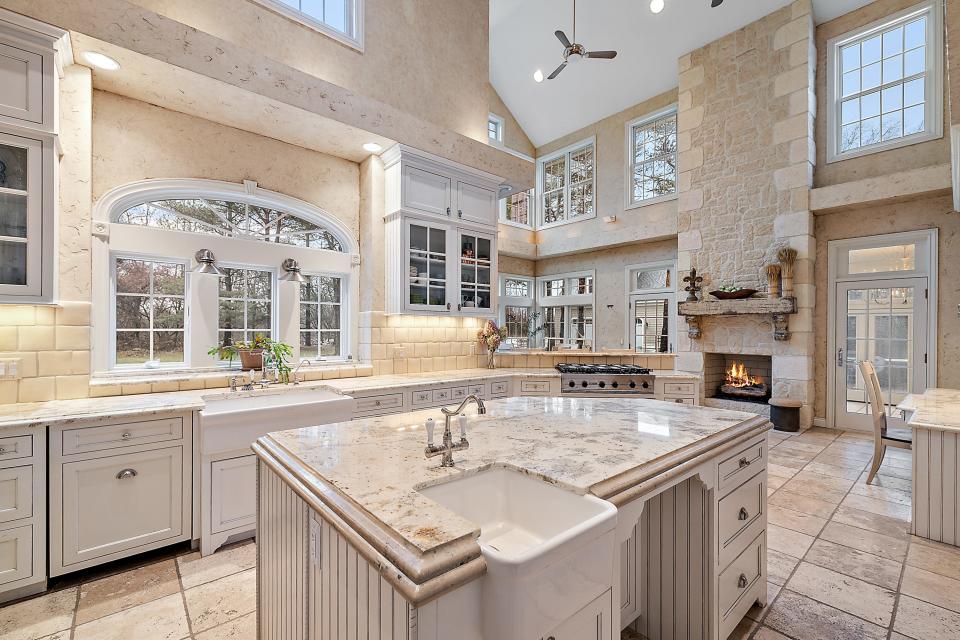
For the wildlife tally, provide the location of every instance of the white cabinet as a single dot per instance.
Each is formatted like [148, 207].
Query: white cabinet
[21, 84]
[23, 505]
[593, 622]
[29, 53]
[233, 487]
[16, 493]
[16, 556]
[118, 488]
[440, 236]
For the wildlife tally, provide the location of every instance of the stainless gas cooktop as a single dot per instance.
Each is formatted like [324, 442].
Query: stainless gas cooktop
[605, 379]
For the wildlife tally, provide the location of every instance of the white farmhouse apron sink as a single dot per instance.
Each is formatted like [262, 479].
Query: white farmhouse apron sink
[549, 551]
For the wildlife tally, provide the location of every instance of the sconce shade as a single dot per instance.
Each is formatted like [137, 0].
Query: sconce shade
[206, 263]
[292, 271]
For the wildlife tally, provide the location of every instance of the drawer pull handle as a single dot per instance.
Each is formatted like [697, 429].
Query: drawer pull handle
[379, 403]
[743, 515]
[3, 449]
[744, 463]
[742, 581]
[127, 473]
[126, 435]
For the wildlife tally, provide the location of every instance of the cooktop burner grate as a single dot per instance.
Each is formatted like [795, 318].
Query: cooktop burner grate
[603, 369]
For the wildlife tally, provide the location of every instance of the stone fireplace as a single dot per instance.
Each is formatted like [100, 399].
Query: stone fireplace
[718, 368]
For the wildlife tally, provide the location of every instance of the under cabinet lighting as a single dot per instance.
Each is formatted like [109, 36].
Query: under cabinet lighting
[100, 61]
[656, 6]
[538, 75]
[372, 147]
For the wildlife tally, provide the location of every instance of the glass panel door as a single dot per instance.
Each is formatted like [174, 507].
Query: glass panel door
[651, 323]
[15, 234]
[427, 263]
[476, 271]
[885, 322]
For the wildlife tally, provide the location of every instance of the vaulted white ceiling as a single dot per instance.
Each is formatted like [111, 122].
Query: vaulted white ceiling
[648, 45]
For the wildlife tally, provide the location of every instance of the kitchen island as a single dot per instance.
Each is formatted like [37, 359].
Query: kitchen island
[350, 545]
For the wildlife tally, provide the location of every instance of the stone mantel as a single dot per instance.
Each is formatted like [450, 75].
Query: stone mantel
[777, 308]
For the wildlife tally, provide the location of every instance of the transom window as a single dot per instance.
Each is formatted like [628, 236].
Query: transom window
[516, 287]
[149, 304]
[565, 304]
[341, 19]
[231, 220]
[886, 84]
[567, 185]
[495, 128]
[321, 315]
[246, 304]
[651, 315]
[552, 288]
[652, 152]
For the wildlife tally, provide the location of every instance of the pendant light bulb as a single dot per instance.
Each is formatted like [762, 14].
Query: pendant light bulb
[538, 75]
[656, 6]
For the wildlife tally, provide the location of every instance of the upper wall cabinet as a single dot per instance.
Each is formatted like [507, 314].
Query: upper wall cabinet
[31, 55]
[440, 237]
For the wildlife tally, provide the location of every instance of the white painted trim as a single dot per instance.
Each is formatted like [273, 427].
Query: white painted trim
[355, 7]
[934, 82]
[515, 301]
[569, 300]
[347, 318]
[834, 250]
[538, 190]
[629, 202]
[630, 293]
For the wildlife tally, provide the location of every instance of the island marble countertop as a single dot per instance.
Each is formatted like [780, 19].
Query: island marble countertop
[934, 409]
[369, 471]
[35, 414]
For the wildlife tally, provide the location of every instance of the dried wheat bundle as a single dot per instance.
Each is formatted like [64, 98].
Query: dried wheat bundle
[773, 279]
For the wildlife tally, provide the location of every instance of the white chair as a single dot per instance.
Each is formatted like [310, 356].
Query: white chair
[883, 436]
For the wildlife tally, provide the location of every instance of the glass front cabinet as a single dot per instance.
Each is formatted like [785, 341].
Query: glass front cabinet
[441, 242]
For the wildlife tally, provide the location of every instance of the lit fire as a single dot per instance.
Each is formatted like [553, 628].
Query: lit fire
[738, 376]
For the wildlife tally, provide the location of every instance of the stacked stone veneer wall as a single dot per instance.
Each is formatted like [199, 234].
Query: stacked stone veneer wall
[745, 138]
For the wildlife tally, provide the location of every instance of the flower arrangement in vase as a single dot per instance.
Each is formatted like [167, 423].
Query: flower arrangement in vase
[490, 337]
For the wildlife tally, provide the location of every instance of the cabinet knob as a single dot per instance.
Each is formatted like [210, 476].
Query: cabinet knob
[448, 210]
[379, 403]
[743, 515]
[742, 581]
[127, 473]
[3, 449]
[744, 463]
[126, 435]
[459, 213]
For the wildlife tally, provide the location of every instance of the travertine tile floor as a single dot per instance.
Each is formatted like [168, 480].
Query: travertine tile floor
[842, 566]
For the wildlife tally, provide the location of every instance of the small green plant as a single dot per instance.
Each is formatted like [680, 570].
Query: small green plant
[276, 353]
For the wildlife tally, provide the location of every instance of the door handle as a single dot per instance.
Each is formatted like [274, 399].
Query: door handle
[743, 515]
[127, 473]
[742, 581]
[840, 357]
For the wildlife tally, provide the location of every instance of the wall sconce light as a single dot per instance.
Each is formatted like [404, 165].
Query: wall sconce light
[206, 263]
[609, 219]
[292, 269]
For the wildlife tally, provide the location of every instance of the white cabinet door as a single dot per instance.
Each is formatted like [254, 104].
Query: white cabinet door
[22, 230]
[427, 266]
[21, 84]
[476, 277]
[233, 499]
[16, 554]
[426, 191]
[476, 204]
[121, 502]
[16, 493]
[590, 623]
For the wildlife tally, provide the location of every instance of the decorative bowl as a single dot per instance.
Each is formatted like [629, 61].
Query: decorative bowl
[733, 295]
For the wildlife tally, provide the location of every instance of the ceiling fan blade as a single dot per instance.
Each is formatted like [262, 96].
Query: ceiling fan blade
[609, 55]
[562, 37]
[716, 3]
[556, 71]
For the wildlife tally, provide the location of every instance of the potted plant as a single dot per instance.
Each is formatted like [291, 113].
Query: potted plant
[490, 337]
[257, 353]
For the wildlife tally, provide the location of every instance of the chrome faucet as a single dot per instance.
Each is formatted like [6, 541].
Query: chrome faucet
[302, 362]
[448, 447]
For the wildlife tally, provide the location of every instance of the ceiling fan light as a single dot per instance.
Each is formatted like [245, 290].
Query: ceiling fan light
[656, 6]
[538, 75]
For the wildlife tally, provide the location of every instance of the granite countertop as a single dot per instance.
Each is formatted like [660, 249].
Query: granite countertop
[934, 409]
[33, 414]
[601, 446]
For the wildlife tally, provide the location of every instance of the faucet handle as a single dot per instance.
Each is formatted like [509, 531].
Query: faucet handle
[463, 427]
[430, 427]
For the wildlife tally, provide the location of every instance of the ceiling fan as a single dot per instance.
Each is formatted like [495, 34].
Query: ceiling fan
[573, 51]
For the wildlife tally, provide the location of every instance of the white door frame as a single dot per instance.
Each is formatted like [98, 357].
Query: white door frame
[926, 265]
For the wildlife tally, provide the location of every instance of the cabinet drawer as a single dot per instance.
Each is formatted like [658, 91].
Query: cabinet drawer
[442, 395]
[741, 465]
[499, 388]
[422, 397]
[16, 493]
[16, 554]
[15, 447]
[380, 403]
[459, 393]
[736, 580]
[233, 499]
[678, 388]
[121, 502]
[113, 436]
[741, 508]
[476, 390]
[534, 386]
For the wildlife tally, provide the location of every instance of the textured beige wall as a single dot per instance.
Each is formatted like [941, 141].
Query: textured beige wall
[517, 266]
[513, 135]
[610, 313]
[928, 213]
[913, 156]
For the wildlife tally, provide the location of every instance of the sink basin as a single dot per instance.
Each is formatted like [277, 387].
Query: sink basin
[549, 551]
[235, 421]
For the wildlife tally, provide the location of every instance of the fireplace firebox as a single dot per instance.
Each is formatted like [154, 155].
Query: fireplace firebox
[738, 377]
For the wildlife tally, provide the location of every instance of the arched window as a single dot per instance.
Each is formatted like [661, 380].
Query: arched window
[163, 309]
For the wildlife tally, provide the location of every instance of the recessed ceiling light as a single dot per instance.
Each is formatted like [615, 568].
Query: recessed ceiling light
[372, 147]
[100, 61]
[538, 75]
[656, 6]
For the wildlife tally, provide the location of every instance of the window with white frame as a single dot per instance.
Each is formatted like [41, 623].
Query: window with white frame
[565, 303]
[341, 19]
[652, 158]
[321, 316]
[495, 129]
[517, 310]
[567, 185]
[149, 306]
[651, 319]
[161, 311]
[516, 208]
[885, 84]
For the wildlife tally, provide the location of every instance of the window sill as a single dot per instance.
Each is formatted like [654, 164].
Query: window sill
[510, 223]
[551, 225]
[154, 381]
[651, 201]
